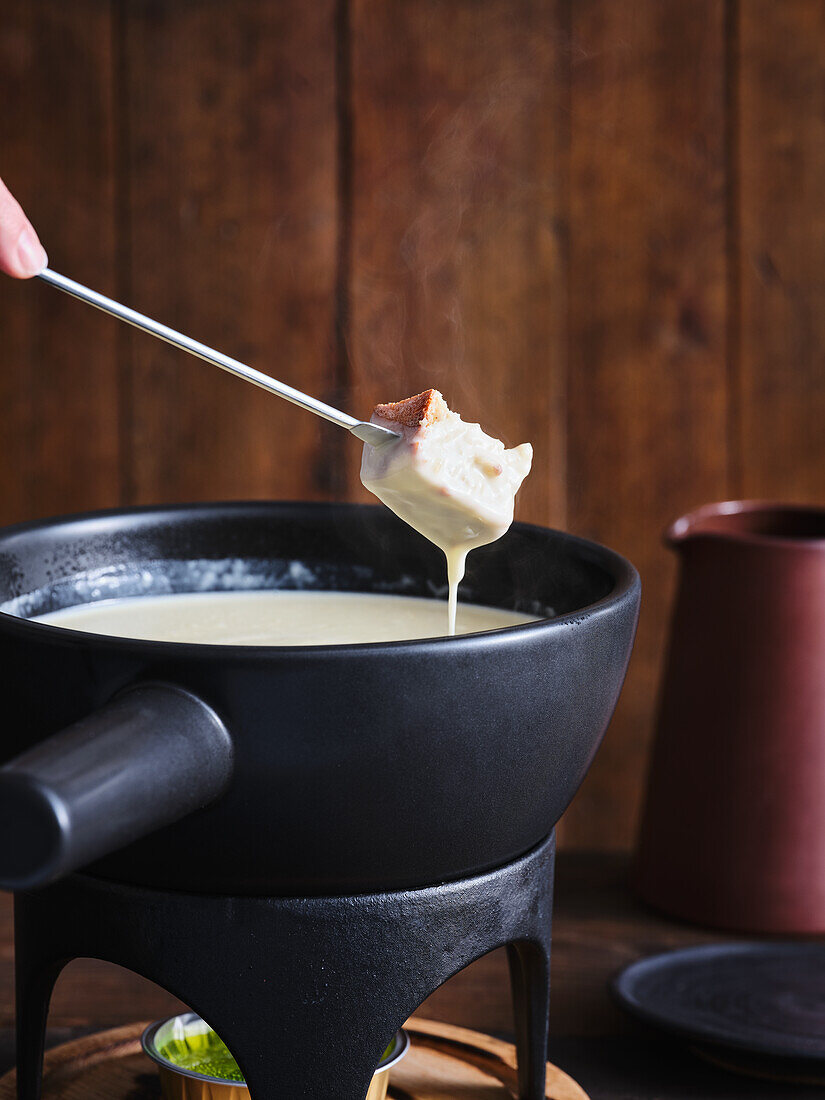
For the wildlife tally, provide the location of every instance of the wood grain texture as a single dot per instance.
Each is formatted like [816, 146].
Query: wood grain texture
[443, 1061]
[59, 446]
[232, 224]
[456, 242]
[594, 224]
[647, 408]
[780, 155]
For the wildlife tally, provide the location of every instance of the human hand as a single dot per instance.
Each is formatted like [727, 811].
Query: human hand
[21, 253]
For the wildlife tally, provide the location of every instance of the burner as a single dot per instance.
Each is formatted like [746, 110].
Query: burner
[304, 991]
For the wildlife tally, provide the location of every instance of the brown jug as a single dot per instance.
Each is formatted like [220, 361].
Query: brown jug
[733, 831]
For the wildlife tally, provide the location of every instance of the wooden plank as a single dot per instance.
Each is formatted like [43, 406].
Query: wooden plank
[456, 248]
[441, 1061]
[781, 170]
[58, 364]
[648, 393]
[232, 230]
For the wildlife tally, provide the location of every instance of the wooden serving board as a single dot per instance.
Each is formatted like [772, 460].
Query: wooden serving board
[443, 1062]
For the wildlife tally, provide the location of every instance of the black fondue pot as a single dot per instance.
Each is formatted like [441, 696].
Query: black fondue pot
[295, 770]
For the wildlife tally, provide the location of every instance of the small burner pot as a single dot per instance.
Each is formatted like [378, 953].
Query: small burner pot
[178, 1083]
[296, 770]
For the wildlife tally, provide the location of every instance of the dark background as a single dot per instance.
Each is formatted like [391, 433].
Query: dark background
[597, 225]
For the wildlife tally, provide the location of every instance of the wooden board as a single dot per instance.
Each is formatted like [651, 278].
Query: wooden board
[647, 409]
[596, 225]
[443, 1062]
[780, 157]
[59, 377]
[230, 234]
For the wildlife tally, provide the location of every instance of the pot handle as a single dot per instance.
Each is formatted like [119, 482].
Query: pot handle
[150, 756]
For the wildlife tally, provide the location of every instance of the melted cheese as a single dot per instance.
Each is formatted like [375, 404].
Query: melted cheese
[276, 618]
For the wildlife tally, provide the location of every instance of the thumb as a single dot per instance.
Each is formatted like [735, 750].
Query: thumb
[21, 253]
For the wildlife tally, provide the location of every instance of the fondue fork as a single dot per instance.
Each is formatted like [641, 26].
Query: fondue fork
[362, 429]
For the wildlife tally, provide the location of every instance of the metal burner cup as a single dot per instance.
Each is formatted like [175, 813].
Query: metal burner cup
[178, 1083]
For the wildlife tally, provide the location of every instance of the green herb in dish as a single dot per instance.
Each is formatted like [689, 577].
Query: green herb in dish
[204, 1053]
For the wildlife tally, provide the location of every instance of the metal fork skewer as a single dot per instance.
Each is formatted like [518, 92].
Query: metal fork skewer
[369, 433]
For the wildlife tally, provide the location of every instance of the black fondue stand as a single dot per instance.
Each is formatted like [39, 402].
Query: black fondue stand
[300, 843]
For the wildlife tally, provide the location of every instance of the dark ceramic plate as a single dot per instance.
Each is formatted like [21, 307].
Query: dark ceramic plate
[760, 998]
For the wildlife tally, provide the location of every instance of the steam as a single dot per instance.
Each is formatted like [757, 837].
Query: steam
[411, 290]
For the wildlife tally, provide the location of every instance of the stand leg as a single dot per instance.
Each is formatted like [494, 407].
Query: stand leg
[530, 982]
[34, 986]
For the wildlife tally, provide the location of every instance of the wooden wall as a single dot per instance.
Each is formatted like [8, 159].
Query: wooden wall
[594, 224]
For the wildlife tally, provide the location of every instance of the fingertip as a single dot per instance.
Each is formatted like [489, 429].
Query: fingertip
[31, 255]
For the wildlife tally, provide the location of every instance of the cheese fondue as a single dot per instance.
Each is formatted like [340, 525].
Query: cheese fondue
[449, 480]
[272, 618]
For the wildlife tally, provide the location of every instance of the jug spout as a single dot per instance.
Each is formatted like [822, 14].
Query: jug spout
[707, 519]
[749, 522]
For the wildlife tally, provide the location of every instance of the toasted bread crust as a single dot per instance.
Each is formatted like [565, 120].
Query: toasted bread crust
[415, 412]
